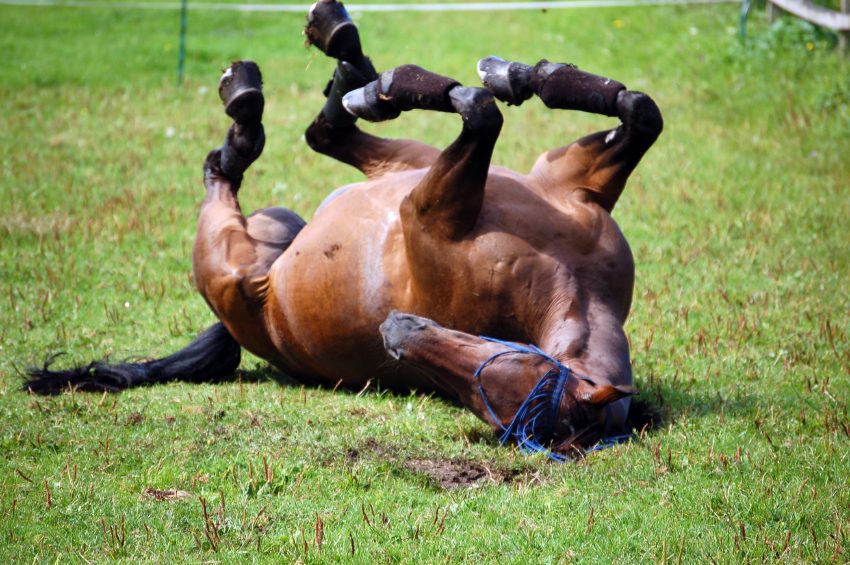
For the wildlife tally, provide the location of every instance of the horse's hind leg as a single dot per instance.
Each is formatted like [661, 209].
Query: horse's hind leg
[599, 163]
[334, 132]
[233, 254]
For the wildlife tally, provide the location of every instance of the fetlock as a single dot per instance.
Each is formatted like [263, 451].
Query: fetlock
[567, 87]
[477, 108]
[242, 146]
[212, 165]
[213, 172]
[346, 78]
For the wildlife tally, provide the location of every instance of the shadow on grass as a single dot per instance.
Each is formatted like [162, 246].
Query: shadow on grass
[657, 405]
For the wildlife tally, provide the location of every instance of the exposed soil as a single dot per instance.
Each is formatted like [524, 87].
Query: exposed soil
[454, 474]
[370, 447]
[462, 473]
[135, 418]
[165, 495]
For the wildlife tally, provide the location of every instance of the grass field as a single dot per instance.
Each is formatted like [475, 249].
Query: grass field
[738, 219]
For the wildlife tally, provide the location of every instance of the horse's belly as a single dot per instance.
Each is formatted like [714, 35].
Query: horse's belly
[332, 289]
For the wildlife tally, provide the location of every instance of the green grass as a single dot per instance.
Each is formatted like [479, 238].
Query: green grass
[738, 219]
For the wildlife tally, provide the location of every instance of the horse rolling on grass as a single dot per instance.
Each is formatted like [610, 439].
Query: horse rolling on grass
[397, 276]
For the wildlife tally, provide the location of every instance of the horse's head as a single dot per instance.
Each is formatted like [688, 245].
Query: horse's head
[528, 397]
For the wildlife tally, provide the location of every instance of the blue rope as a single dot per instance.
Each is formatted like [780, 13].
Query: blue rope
[610, 441]
[533, 425]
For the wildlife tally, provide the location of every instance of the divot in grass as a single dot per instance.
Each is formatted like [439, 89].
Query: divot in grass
[454, 474]
[167, 495]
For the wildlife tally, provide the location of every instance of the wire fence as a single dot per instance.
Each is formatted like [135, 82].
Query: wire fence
[354, 7]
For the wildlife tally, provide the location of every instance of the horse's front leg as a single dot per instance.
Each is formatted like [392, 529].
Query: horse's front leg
[446, 203]
[334, 131]
[600, 163]
[496, 380]
[444, 206]
[232, 253]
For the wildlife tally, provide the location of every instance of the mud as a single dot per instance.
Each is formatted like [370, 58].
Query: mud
[455, 474]
[167, 495]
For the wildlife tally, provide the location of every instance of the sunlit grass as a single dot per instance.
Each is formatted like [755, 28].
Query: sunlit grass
[738, 219]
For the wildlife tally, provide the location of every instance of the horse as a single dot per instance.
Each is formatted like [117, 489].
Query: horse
[397, 279]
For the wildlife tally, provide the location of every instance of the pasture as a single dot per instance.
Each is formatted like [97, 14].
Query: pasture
[740, 331]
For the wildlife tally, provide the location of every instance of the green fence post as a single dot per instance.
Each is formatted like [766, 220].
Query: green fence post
[182, 55]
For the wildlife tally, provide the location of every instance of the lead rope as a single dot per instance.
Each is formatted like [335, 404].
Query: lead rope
[534, 422]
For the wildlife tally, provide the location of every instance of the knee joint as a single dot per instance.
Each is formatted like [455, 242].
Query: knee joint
[477, 107]
[321, 135]
[316, 134]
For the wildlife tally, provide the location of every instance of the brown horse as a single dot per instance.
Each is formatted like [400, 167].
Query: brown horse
[396, 277]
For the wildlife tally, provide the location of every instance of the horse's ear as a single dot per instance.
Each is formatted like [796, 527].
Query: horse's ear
[604, 394]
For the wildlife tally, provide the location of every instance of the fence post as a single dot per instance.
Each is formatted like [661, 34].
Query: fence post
[181, 56]
[844, 36]
[773, 12]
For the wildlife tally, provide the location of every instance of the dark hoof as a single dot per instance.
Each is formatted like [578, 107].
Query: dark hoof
[369, 102]
[330, 29]
[509, 82]
[241, 91]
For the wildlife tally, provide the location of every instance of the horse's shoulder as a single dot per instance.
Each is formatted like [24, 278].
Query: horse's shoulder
[520, 207]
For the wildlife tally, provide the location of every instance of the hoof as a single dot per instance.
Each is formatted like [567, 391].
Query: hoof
[509, 82]
[330, 29]
[241, 91]
[370, 102]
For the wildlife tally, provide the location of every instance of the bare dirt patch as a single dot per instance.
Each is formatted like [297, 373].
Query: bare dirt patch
[448, 474]
[168, 495]
[135, 418]
[454, 474]
[369, 447]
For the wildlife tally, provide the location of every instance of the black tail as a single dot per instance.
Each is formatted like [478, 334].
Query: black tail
[213, 356]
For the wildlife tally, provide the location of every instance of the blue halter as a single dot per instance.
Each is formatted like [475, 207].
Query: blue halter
[533, 425]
